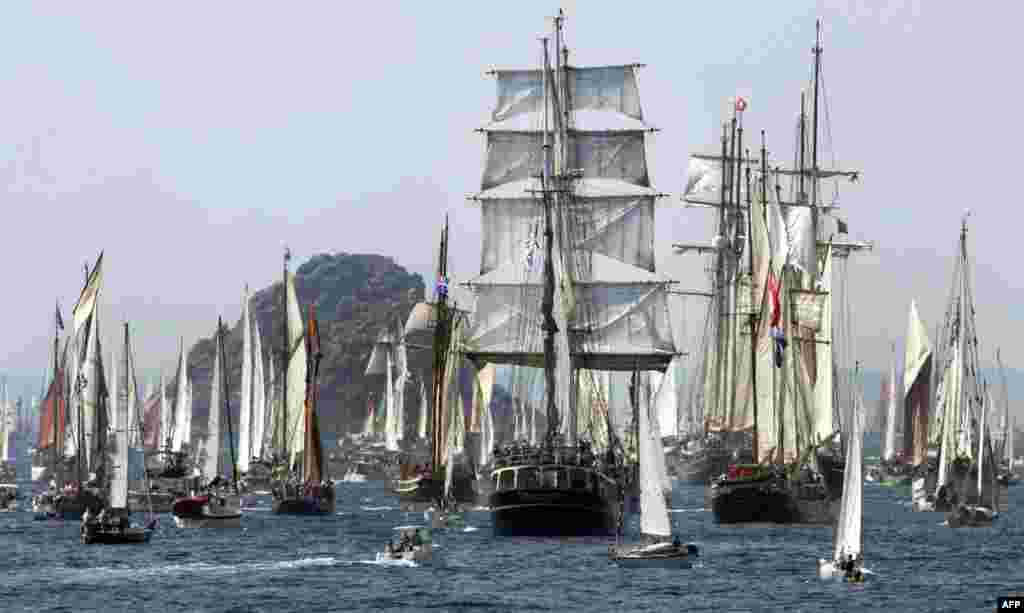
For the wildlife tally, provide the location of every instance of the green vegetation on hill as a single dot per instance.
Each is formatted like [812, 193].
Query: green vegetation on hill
[354, 295]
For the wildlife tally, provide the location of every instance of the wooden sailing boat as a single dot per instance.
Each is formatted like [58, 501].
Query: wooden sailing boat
[776, 376]
[565, 194]
[301, 485]
[655, 525]
[964, 473]
[847, 540]
[421, 480]
[52, 423]
[111, 524]
[79, 462]
[218, 503]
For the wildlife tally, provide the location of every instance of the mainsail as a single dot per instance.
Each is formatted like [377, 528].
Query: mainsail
[182, 409]
[294, 409]
[212, 464]
[654, 519]
[849, 526]
[245, 402]
[259, 394]
[917, 376]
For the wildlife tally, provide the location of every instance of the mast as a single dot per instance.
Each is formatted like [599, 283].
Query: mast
[58, 445]
[1007, 427]
[227, 397]
[549, 326]
[440, 354]
[283, 418]
[755, 314]
[814, 136]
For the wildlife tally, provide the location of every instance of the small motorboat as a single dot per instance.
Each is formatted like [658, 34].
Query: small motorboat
[8, 497]
[208, 510]
[970, 516]
[414, 545]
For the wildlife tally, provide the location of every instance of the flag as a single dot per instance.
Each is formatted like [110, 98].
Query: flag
[776, 333]
[313, 337]
[841, 227]
[741, 104]
[442, 287]
[60, 321]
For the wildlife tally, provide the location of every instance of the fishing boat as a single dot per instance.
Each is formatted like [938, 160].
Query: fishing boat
[300, 486]
[965, 471]
[109, 523]
[567, 277]
[655, 548]
[778, 373]
[413, 545]
[217, 505]
[847, 536]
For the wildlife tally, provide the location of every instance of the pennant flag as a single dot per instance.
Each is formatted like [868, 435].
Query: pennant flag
[87, 301]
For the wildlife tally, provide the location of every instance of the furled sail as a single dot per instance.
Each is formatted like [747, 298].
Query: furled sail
[295, 412]
[245, 420]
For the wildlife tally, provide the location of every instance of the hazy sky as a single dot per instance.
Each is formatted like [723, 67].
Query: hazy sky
[190, 142]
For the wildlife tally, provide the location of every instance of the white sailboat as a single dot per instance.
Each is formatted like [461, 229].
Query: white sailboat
[111, 526]
[847, 555]
[655, 524]
[218, 505]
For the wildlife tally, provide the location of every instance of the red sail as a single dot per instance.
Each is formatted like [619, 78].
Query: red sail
[151, 422]
[52, 411]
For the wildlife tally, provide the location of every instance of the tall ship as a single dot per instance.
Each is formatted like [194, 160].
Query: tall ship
[964, 470]
[300, 484]
[568, 285]
[777, 371]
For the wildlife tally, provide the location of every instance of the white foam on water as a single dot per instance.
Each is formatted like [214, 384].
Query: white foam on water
[378, 508]
[405, 563]
[470, 529]
[701, 510]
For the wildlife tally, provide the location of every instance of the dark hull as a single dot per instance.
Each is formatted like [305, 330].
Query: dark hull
[104, 536]
[302, 506]
[775, 501]
[713, 460]
[426, 492]
[546, 512]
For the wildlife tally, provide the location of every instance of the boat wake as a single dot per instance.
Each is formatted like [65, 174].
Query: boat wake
[405, 563]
